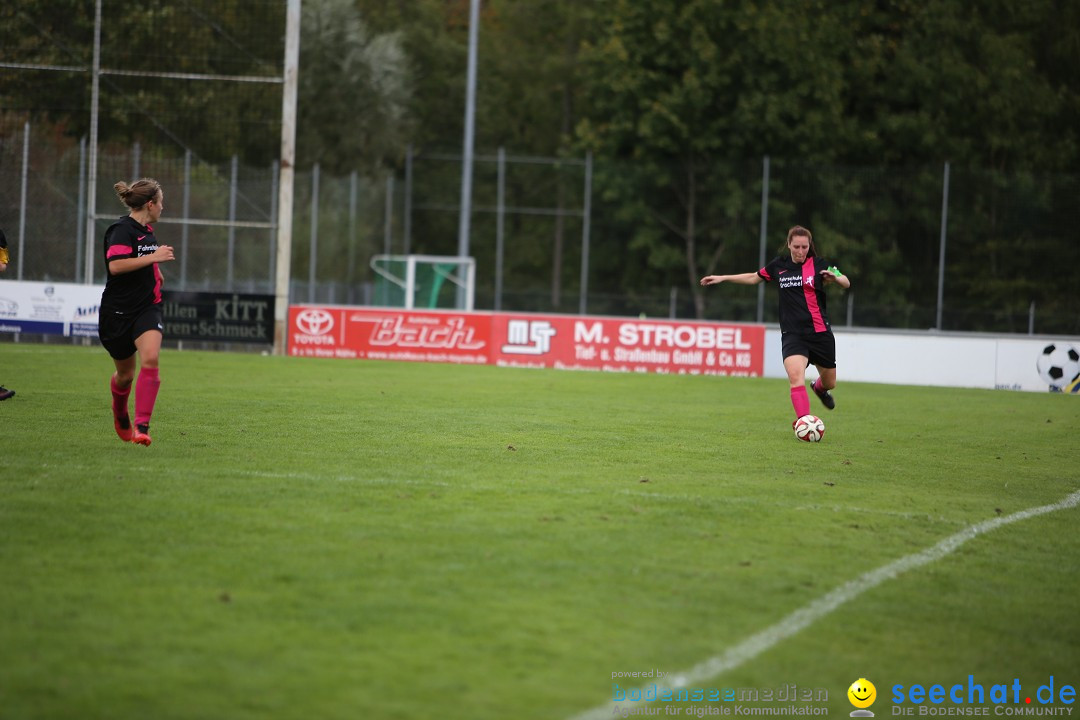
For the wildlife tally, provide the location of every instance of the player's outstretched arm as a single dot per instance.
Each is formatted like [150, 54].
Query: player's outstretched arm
[833, 275]
[750, 278]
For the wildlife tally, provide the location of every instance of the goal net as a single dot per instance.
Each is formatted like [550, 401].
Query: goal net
[417, 282]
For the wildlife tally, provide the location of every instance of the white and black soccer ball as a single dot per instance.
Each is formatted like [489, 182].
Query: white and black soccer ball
[1058, 365]
[809, 428]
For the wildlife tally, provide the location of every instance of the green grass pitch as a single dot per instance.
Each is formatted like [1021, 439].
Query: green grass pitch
[338, 539]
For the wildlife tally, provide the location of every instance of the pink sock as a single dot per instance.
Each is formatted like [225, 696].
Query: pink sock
[146, 389]
[119, 398]
[799, 400]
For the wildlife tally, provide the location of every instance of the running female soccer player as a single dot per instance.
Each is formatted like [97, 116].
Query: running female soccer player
[4, 392]
[130, 317]
[805, 333]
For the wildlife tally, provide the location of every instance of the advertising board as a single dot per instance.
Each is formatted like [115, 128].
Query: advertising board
[567, 342]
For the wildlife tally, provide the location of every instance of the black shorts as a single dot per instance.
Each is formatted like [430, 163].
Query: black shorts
[818, 348]
[119, 332]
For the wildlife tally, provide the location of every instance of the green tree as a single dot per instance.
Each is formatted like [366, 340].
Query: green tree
[528, 96]
[354, 90]
[935, 81]
[212, 118]
[682, 90]
[993, 89]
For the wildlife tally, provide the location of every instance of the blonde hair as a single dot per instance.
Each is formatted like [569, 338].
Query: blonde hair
[138, 193]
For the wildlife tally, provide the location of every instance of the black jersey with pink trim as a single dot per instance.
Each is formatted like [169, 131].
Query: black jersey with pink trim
[802, 293]
[131, 292]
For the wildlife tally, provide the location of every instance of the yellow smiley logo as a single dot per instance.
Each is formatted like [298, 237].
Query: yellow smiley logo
[862, 693]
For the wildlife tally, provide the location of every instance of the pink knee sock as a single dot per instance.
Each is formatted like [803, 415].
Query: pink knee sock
[799, 400]
[119, 399]
[146, 389]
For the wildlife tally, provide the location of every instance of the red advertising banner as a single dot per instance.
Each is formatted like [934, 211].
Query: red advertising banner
[567, 342]
[361, 333]
[626, 345]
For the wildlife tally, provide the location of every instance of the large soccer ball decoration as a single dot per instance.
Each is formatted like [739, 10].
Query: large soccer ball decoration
[1059, 365]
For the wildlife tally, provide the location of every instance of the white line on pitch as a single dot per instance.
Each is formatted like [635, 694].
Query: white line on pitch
[805, 616]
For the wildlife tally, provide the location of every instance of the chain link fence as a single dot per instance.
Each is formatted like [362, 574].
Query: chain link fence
[1004, 236]
[189, 93]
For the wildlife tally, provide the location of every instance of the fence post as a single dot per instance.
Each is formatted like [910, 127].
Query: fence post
[941, 255]
[1031, 318]
[275, 172]
[185, 228]
[233, 189]
[406, 229]
[763, 233]
[80, 228]
[585, 225]
[350, 275]
[500, 226]
[388, 215]
[314, 232]
[22, 200]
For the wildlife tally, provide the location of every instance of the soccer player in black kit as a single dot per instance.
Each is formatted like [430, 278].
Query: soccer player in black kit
[806, 335]
[4, 392]
[130, 318]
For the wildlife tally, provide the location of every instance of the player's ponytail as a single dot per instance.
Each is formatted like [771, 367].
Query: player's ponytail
[138, 193]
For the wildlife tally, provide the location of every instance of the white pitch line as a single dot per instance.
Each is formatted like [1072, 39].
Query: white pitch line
[805, 616]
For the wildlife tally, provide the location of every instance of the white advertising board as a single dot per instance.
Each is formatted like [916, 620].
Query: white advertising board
[935, 359]
[49, 308]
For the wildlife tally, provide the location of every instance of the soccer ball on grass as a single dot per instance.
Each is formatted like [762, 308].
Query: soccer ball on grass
[809, 428]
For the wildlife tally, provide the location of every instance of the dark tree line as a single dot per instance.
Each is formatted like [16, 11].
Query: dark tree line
[858, 104]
